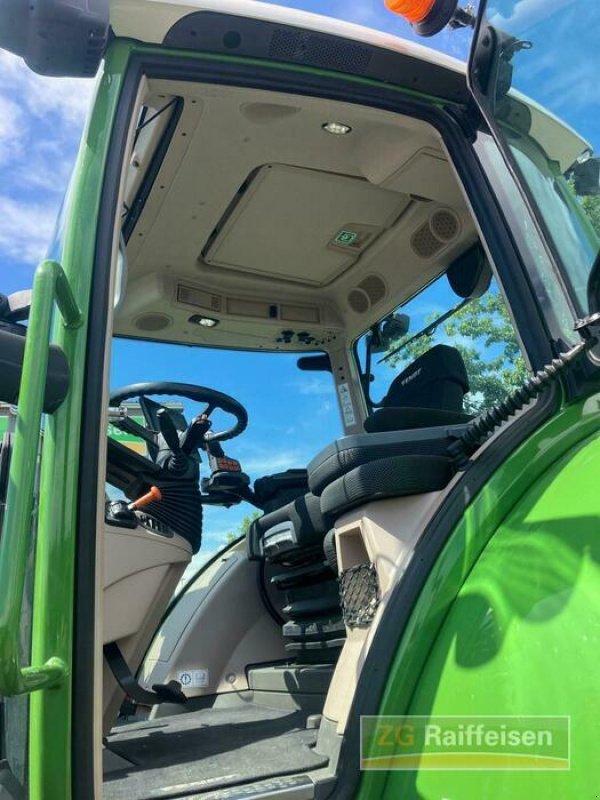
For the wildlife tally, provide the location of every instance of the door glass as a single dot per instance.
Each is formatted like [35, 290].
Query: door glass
[481, 330]
[292, 415]
[543, 98]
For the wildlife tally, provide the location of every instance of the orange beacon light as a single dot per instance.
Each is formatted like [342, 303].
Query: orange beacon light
[427, 17]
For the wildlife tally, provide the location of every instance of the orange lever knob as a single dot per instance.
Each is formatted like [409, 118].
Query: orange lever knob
[154, 495]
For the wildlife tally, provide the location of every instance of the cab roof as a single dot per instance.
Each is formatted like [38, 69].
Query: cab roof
[151, 21]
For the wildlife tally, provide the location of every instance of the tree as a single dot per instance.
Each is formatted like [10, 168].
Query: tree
[591, 206]
[242, 528]
[484, 334]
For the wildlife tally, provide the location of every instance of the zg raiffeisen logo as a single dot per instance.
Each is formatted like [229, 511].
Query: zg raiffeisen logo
[465, 743]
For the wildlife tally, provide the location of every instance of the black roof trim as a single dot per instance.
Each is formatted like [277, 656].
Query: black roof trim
[209, 31]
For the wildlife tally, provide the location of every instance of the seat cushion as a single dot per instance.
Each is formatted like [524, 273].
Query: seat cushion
[273, 491]
[349, 452]
[304, 513]
[396, 419]
[396, 476]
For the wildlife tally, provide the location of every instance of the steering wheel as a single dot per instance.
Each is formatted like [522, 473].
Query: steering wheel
[190, 391]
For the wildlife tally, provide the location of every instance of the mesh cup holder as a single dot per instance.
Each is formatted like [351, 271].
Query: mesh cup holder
[359, 594]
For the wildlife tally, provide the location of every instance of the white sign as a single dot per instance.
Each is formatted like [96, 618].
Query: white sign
[346, 404]
[193, 678]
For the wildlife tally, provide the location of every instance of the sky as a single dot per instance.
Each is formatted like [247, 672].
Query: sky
[41, 120]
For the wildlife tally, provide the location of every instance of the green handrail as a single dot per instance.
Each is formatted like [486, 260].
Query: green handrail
[49, 284]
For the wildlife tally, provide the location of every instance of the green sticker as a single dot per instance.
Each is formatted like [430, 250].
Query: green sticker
[346, 237]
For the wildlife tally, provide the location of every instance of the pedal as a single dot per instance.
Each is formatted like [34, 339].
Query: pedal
[169, 692]
[162, 692]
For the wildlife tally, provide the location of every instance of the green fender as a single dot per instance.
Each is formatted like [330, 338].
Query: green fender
[508, 622]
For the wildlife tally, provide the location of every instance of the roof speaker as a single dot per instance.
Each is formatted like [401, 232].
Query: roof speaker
[442, 227]
[152, 321]
[359, 301]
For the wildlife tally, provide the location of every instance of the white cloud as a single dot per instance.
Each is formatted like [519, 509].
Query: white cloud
[361, 12]
[40, 123]
[316, 385]
[267, 464]
[529, 12]
[46, 169]
[68, 98]
[11, 126]
[25, 229]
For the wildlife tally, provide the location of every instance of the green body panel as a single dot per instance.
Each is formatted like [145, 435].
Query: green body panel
[52, 636]
[508, 621]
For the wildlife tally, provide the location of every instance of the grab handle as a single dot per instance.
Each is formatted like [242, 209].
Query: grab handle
[50, 284]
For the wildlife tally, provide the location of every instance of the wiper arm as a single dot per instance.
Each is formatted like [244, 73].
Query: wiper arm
[427, 331]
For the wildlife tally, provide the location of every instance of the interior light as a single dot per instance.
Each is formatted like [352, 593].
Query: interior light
[337, 128]
[205, 322]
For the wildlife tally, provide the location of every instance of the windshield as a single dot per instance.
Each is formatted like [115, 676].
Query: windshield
[480, 330]
[291, 414]
[549, 121]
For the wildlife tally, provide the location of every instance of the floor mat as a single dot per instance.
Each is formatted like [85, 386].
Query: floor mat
[209, 749]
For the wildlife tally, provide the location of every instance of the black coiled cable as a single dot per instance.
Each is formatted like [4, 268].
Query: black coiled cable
[479, 429]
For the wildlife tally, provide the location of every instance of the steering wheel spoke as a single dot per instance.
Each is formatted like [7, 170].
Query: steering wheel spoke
[200, 394]
[128, 425]
[208, 410]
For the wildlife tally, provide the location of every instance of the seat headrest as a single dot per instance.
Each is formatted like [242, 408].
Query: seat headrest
[423, 383]
[470, 274]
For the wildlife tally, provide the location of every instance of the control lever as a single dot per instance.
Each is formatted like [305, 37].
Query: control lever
[153, 496]
[193, 438]
[119, 512]
[226, 474]
[175, 461]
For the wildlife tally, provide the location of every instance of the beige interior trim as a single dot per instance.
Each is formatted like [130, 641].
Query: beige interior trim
[141, 571]
[99, 677]
[274, 265]
[220, 626]
[385, 533]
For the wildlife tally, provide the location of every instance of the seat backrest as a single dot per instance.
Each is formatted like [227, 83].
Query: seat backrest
[437, 379]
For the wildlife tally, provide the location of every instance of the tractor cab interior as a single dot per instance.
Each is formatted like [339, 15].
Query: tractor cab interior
[257, 223]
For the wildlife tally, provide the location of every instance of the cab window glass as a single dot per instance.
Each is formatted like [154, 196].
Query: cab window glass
[153, 131]
[292, 414]
[549, 121]
[480, 330]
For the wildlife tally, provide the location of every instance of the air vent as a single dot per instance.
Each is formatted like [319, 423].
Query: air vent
[359, 301]
[198, 298]
[299, 313]
[374, 287]
[289, 44]
[441, 228]
[152, 321]
[250, 308]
